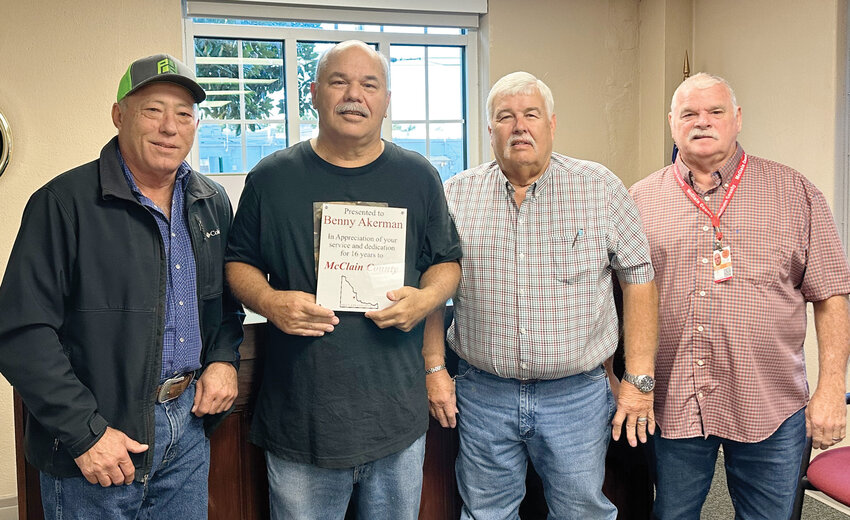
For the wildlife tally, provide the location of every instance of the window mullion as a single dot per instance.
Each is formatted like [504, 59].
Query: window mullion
[427, 107]
[242, 114]
[467, 57]
[293, 115]
[384, 46]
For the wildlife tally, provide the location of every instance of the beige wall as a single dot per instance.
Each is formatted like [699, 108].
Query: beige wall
[611, 64]
[785, 60]
[665, 35]
[60, 64]
[587, 53]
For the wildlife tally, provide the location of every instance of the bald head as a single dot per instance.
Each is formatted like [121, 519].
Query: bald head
[321, 67]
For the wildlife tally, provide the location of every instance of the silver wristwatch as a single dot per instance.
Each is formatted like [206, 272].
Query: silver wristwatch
[643, 382]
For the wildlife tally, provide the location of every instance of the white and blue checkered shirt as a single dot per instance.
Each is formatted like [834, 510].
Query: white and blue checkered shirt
[535, 298]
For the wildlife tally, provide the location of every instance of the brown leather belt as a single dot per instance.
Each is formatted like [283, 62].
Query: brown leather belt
[172, 388]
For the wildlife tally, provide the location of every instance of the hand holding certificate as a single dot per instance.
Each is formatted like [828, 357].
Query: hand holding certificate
[361, 256]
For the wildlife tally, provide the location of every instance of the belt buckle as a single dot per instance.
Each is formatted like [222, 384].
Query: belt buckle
[165, 387]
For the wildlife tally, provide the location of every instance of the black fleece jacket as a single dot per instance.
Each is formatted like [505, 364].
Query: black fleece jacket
[82, 309]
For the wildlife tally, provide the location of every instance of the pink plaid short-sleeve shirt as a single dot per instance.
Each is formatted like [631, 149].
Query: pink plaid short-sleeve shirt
[730, 358]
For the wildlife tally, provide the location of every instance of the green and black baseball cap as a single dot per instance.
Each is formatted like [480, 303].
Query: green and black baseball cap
[159, 67]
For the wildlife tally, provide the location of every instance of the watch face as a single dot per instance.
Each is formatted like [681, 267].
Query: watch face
[644, 383]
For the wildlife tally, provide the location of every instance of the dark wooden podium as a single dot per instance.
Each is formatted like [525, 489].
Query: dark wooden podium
[238, 488]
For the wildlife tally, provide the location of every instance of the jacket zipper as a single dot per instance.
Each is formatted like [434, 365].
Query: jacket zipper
[201, 227]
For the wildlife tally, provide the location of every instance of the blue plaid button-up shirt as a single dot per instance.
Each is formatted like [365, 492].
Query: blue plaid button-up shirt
[181, 342]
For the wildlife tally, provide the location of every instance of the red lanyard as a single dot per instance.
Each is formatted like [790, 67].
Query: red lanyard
[698, 202]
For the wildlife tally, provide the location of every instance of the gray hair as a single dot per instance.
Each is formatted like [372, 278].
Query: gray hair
[701, 81]
[520, 83]
[323, 60]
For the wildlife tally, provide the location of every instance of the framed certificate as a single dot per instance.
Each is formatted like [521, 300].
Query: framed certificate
[361, 255]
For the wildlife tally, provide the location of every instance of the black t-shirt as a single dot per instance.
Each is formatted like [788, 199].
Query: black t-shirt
[357, 394]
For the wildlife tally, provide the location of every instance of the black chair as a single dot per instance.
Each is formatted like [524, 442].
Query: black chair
[828, 473]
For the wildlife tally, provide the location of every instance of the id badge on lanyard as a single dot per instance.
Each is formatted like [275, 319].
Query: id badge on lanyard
[722, 262]
[722, 255]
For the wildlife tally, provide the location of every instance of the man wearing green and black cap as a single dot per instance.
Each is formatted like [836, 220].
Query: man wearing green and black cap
[118, 330]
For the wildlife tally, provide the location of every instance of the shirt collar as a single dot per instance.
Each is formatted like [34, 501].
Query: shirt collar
[727, 171]
[179, 183]
[535, 188]
[721, 176]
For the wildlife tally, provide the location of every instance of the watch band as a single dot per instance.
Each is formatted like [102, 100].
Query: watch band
[434, 369]
[630, 378]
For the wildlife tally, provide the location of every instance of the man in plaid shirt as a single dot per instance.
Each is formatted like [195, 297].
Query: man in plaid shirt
[535, 319]
[740, 245]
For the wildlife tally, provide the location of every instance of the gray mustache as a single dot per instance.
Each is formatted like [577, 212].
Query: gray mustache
[524, 137]
[701, 133]
[363, 110]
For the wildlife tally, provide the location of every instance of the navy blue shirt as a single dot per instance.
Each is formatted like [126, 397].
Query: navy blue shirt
[181, 342]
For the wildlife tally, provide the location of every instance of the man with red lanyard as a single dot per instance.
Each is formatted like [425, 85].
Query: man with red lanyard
[740, 244]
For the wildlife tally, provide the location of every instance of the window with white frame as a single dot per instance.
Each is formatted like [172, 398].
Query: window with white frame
[257, 75]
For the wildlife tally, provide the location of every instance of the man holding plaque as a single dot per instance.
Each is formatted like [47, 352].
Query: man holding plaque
[730, 369]
[535, 317]
[342, 411]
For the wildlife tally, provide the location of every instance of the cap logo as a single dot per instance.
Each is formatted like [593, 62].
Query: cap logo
[165, 66]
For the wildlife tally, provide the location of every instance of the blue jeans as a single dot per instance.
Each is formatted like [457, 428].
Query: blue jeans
[562, 425]
[388, 488]
[761, 476]
[176, 486]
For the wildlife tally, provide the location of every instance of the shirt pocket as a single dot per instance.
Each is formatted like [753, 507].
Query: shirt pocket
[574, 255]
[758, 257]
